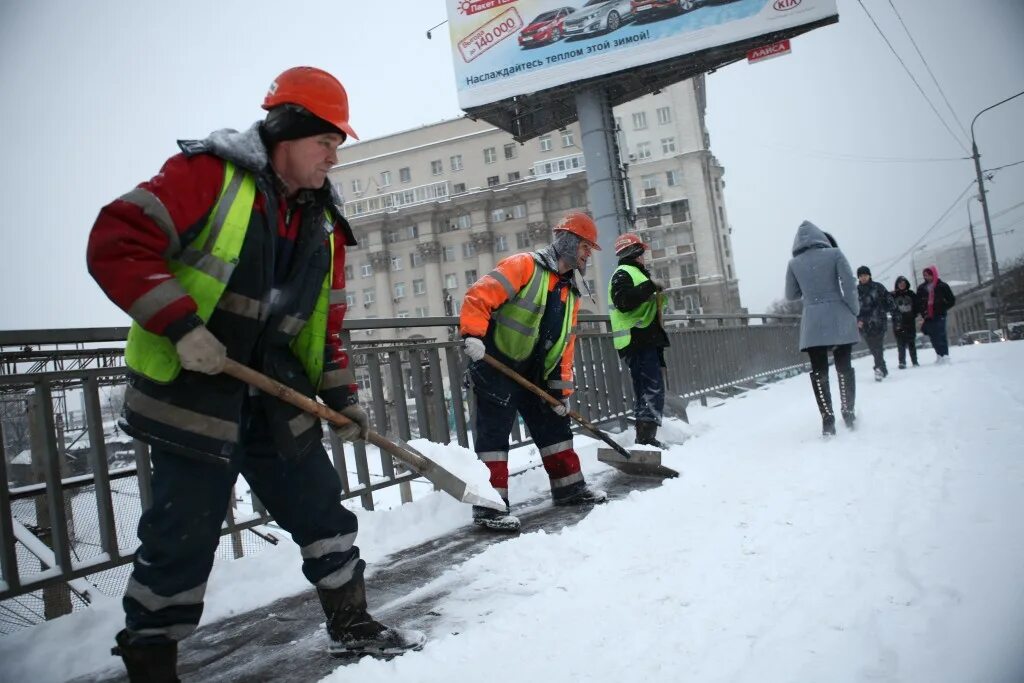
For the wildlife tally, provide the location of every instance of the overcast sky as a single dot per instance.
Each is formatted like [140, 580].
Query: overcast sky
[95, 95]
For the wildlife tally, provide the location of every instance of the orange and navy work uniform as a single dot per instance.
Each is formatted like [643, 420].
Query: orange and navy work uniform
[488, 305]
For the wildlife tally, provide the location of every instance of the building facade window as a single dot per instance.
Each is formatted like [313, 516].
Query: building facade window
[350, 300]
[366, 270]
[649, 182]
[396, 263]
[545, 143]
[464, 221]
[490, 155]
[405, 175]
[456, 162]
[643, 150]
[640, 120]
[399, 290]
[513, 176]
[385, 178]
[672, 178]
[668, 145]
[436, 167]
[493, 180]
[664, 115]
[402, 314]
[471, 277]
[357, 185]
[567, 138]
[448, 253]
[349, 273]
[451, 281]
[415, 259]
[422, 311]
[510, 151]
[458, 188]
[468, 249]
[500, 243]
[523, 240]
[419, 287]
[368, 296]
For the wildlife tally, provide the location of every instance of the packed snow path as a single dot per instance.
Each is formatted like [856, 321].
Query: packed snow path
[892, 553]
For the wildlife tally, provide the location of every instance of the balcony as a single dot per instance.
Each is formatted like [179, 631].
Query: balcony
[393, 201]
[672, 251]
[558, 168]
[651, 195]
[681, 282]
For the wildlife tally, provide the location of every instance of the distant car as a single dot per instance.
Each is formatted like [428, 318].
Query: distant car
[980, 337]
[598, 16]
[1015, 331]
[546, 28]
[644, 9]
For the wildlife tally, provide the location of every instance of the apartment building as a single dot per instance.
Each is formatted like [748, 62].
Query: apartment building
[436, 207]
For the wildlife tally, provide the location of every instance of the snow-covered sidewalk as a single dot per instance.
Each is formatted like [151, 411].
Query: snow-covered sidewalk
[893, 553]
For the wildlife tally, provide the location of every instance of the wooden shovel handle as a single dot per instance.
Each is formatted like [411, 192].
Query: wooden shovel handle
[289, 395]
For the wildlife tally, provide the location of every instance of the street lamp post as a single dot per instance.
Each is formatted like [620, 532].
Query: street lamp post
[974, 245]
[996, 293]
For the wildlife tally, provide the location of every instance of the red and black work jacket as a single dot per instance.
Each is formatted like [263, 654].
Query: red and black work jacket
[279, 275]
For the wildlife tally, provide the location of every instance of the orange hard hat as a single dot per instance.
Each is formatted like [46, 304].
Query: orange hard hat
[579, 223]
[627, 240]
[316, 91]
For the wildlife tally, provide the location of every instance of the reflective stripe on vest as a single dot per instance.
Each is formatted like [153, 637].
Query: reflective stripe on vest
[517, 321]
[641, 316]
[203, 270]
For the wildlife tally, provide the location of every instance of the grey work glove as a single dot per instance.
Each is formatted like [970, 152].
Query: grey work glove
[475, 349]
[562, 409]
[200, 351]
[359, 427]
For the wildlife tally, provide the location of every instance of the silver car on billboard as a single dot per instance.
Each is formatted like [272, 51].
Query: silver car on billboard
[598, 16]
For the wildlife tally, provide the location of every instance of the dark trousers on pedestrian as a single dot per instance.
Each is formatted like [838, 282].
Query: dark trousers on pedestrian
[181, 529]
[840, 354]
[648, 384]
[935, 328]
[905, 343]
[876, 344]
[550, 433]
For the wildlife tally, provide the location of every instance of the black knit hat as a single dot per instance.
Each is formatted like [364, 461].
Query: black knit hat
[863, 270]
[292, 122]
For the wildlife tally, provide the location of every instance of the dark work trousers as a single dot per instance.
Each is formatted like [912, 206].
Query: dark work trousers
[550, 432]
[935, 328]
[840, 354]
[876, 344]
[905, 343]
[648, 384]
[181, 530]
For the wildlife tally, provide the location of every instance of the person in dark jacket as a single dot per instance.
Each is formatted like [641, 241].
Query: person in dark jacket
[820, 275]
[236, 250]
[635, 303]
[904, 320]
[875, 306]
[934, 299]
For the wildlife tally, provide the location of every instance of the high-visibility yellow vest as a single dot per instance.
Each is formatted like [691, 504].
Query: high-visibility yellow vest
[517, 321]
[623, 322]
[204, 268]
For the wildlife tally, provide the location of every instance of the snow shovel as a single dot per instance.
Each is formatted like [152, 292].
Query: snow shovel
[416, 461]
[637, 462]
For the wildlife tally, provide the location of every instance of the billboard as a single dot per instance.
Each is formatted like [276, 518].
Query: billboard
[506, 48]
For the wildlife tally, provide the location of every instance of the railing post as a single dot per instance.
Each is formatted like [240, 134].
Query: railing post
[100, 469]
[8, 555]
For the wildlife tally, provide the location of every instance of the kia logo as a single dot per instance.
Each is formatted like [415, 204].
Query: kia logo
[783, 5]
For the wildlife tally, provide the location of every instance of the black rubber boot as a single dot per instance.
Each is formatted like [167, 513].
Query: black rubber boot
[847, 396]
[351, 628]
[646, 434]
[823, 396]
[584, 496]
[496, 520]
[155, 663]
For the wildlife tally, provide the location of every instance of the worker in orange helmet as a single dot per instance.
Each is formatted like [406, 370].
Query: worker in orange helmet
[523, 313]
[634, 306]
[236, 249]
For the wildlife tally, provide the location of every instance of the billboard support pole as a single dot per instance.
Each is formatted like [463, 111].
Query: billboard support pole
[605, 191]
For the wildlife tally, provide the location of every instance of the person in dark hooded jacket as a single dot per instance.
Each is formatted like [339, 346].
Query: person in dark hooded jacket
[935, 298]
[875, 307]
[820, 275]
[904, 320]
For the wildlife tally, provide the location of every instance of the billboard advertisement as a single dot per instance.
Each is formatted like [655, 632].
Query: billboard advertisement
[506, 48]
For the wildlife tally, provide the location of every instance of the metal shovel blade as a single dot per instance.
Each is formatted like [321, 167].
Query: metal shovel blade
[446, 481]
[641, 463]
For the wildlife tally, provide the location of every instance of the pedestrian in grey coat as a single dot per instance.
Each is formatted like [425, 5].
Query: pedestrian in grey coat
[820, 275]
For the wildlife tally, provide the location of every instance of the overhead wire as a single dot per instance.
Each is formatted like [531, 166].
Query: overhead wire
[1000, 168]
[842, 156]
[912, 78]
[929, 69]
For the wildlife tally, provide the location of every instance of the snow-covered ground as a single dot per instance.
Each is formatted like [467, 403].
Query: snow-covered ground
[894, 553]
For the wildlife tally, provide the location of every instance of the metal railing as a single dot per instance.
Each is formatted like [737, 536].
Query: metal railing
[412, 389]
